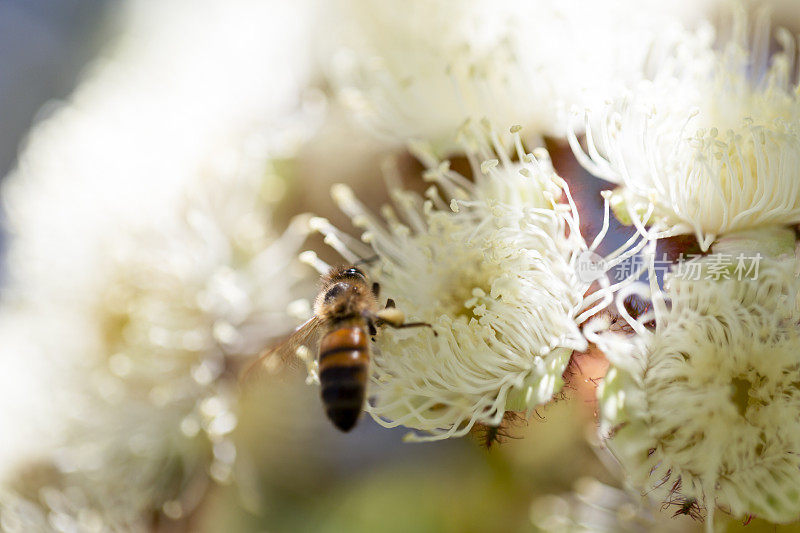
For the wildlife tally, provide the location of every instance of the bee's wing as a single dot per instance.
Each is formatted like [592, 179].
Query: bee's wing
[284, 352]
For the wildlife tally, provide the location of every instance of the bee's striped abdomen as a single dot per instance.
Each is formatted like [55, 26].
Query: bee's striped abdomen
[343, 366]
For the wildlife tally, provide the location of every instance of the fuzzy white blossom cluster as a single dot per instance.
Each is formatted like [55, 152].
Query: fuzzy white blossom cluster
[143, 267]
[491, 265]
[703, 405]
[708, 143]
[417, 70]
[698, 402]
[147, 361]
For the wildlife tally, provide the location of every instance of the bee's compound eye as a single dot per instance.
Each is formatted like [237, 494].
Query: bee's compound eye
[354, 272]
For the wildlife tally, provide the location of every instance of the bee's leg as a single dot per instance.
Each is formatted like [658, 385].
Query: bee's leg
[393, 317]
[410, 325]
[373, 330]
[376, 289]
[414, 325]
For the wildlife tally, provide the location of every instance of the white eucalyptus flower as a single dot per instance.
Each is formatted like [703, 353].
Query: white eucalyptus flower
[491, 265]
[709, 143]
[145, 362]
[183, 84]
[705, 405]
[418, 69]
[142, 264]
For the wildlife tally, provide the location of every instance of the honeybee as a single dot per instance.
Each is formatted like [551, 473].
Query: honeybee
[346, 313]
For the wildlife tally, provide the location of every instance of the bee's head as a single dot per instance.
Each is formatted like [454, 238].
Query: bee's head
[343, 290]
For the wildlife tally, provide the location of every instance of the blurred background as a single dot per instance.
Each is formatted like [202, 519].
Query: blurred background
[44, 46]
[293, 471]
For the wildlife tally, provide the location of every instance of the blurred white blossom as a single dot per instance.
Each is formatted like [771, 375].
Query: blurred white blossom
[417, 70]
[709, 142]
[142, 369]
[182, 78]
[704, 406]
[491, 264]
[594, 507]
[142, 264]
